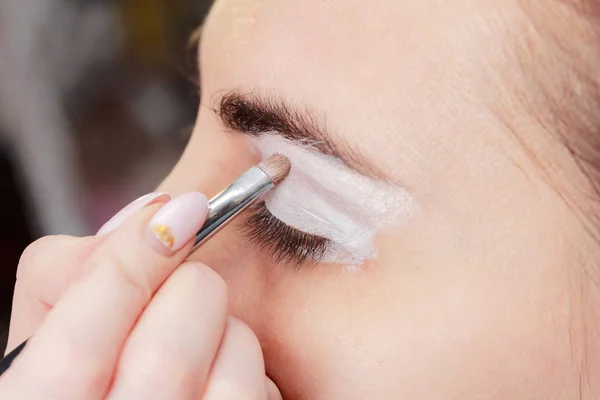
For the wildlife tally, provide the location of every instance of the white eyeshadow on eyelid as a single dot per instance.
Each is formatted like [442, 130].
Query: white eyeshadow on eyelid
[321, 196]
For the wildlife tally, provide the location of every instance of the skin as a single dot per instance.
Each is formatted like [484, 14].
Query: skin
[483, 294]
[171, 337]
[486, 293]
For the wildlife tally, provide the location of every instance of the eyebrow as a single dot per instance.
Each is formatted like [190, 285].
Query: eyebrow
[255, 115]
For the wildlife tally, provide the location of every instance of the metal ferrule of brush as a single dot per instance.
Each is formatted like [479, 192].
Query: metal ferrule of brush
[233, 200]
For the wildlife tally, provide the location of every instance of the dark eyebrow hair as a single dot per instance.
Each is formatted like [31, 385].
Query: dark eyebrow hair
[255, 115]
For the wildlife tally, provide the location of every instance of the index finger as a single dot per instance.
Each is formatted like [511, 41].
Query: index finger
[78, 345]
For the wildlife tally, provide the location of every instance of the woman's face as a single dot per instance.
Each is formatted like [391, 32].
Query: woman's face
[476, 294]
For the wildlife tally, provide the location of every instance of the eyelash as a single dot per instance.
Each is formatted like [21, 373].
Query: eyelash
[286, 244]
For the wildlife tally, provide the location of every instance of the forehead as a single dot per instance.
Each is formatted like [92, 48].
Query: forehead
[297, 43]
[347, 37]
[389, 75]
[311, 39]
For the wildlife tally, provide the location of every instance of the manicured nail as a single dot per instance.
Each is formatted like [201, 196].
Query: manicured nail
[131, 209]
[178, 221]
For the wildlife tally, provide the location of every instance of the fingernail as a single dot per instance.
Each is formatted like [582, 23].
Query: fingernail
[131, 209]
[178, 221]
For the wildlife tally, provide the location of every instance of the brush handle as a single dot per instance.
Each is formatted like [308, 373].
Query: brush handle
[10, 357]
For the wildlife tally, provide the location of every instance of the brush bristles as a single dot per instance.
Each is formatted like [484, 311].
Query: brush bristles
[277, 167]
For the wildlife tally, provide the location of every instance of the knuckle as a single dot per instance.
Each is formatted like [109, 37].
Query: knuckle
[129, 267]
[133, 276]
[31, 256]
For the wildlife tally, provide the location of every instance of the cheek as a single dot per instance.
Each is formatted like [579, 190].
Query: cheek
[398, 331]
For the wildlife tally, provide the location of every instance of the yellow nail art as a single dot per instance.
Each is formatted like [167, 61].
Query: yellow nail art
[164, 234]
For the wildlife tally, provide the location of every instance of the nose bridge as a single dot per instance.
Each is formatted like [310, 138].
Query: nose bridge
[210, 163]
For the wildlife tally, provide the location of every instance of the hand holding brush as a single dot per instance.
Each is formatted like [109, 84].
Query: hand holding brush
[123, 316]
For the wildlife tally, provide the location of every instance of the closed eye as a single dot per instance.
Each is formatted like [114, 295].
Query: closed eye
[287, 245]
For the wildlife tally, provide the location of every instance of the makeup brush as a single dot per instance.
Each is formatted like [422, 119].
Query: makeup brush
[240, 194]
[222, 208]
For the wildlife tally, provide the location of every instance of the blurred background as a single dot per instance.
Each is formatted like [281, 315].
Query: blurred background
[97, 100]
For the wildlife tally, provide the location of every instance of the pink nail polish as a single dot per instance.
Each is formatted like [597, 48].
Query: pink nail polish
[178, 221]
[129, 210]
